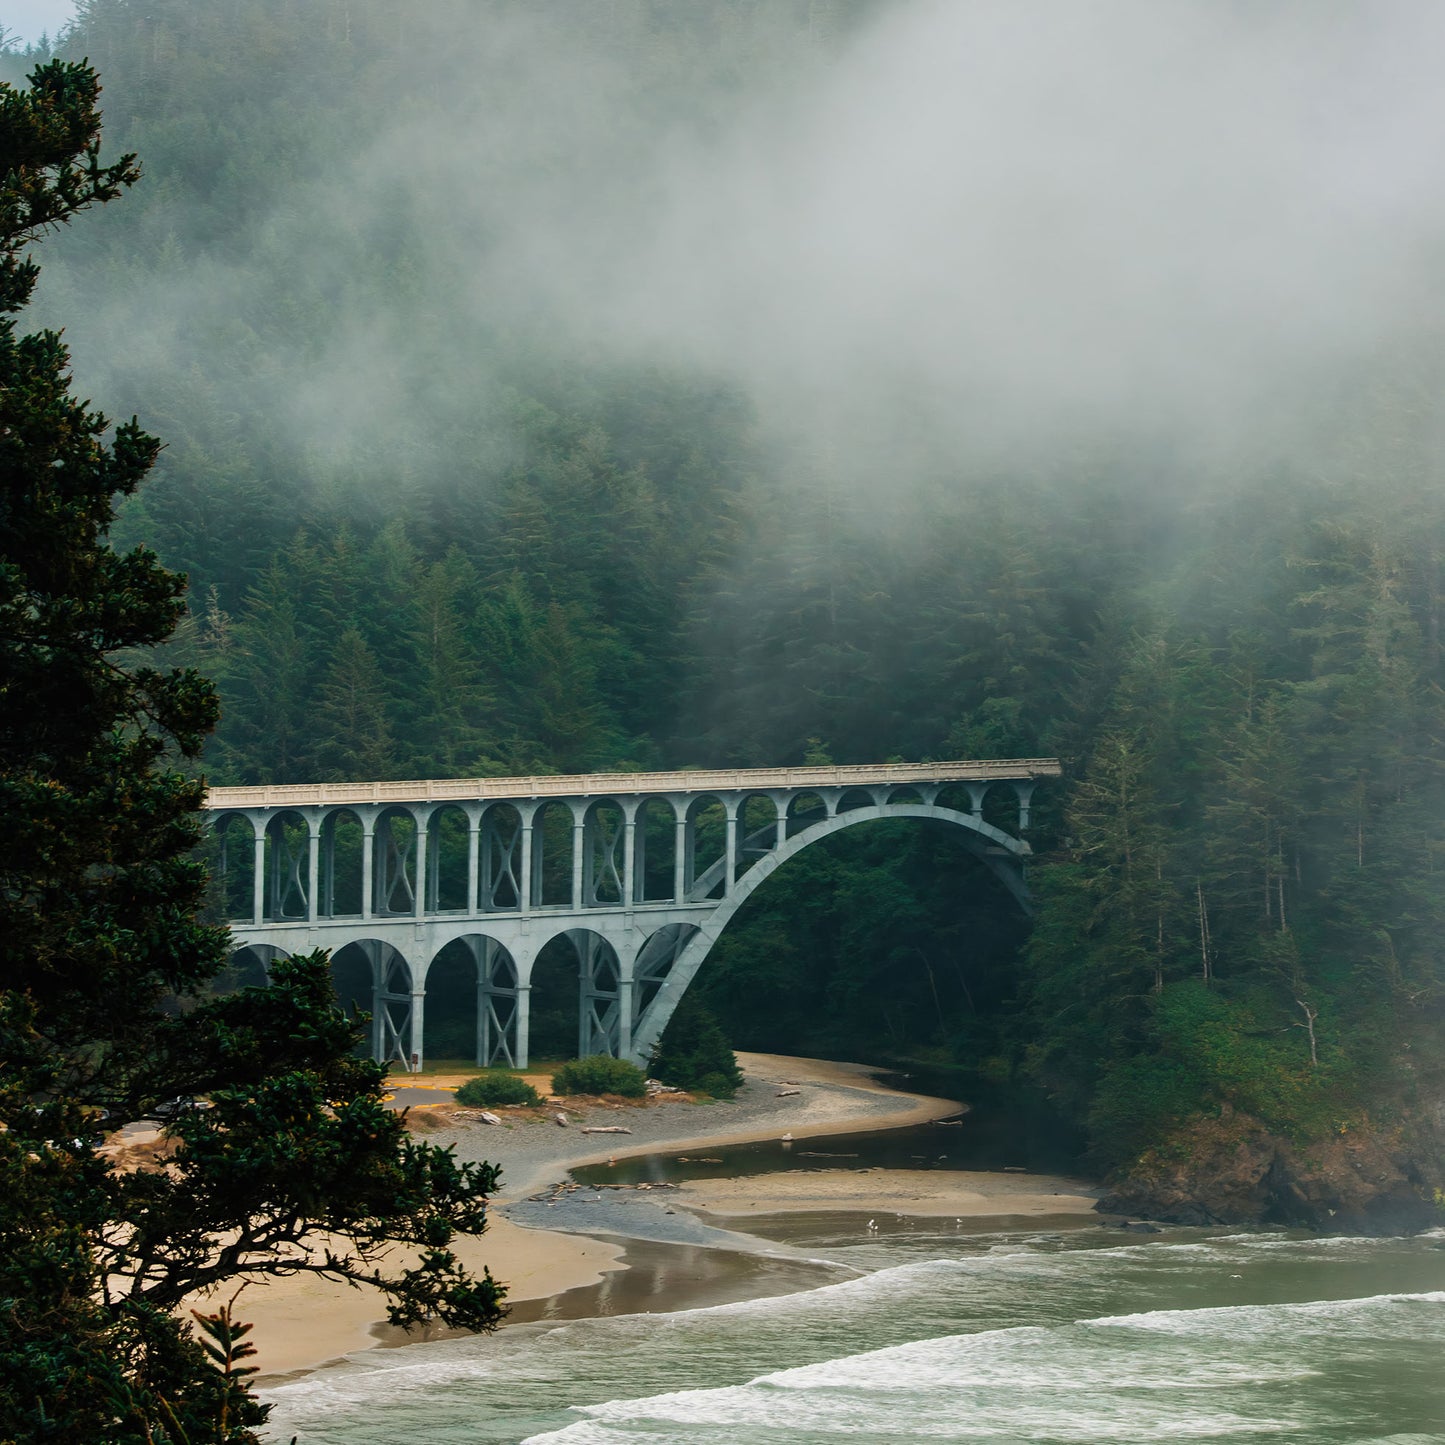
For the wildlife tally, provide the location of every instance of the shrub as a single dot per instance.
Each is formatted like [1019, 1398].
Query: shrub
[693, 1053]
[600, 1074]
[718, 1085]
[496, 1086]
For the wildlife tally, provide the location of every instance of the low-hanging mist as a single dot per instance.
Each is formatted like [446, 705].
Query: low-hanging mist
[580, 384]
[922, 238]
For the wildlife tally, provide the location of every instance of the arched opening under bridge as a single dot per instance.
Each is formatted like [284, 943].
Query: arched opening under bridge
[373, 977]
[577, 998]
[471, 1004]
[875, 928]
[448, 859]
[341, 865]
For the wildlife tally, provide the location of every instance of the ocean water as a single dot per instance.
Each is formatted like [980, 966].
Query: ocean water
[931, 1333]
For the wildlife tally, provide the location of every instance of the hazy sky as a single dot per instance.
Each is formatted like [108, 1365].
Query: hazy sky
[968, 235]
[29, 19]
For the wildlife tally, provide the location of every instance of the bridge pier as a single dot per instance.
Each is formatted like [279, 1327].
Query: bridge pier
[524, 904]
[258, 881]
[313, 865]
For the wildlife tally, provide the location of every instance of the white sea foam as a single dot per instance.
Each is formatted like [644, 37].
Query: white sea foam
[1069, 1382]
[1234, 1319]
[1023, 1344]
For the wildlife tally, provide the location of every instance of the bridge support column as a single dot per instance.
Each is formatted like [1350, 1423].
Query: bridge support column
[625, 990]
[395, 1013]
[689, 860]
[313, 867]
[327, 905]
[418, 1011]
[730, 864]
[524, 898]
[258, 878]
[629, 861]
[484, 1003]
[679, 857]
[474, 831]
[368, 862]
[578, 843]
[1025, 791]
[524, 1022]
[378, 987]
[418, 897]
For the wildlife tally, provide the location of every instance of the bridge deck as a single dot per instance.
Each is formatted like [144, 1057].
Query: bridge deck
[574, 785]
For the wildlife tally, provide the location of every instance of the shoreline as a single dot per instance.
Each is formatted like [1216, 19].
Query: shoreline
[822, 1107]
[547, 1247]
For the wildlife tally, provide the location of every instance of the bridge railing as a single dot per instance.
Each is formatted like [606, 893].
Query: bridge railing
[573, 785]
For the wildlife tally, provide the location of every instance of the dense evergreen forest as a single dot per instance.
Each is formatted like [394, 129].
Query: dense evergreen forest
[434, 529]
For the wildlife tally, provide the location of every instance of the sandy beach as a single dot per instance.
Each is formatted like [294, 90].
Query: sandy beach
[963, 1195]
[542, 1244]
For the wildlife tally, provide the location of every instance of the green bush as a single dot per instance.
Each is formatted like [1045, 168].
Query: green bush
[693, 1053]
[600, 1074]
[496, 1087]
[1138, 1101]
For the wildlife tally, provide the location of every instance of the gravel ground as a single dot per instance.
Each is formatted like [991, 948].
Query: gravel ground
[804, 1097]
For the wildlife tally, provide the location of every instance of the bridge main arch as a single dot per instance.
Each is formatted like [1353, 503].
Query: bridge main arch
[997, 850]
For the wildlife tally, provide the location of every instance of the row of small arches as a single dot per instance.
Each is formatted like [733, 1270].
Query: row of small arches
[295, 864]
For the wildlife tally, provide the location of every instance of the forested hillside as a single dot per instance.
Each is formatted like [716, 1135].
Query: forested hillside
[455, 499]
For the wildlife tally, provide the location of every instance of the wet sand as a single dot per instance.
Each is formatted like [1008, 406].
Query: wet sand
[927, 1193]
[303, 1321]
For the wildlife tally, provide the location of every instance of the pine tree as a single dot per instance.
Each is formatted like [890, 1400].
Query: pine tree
[350, 715]
[298, 1166]
[269, 673]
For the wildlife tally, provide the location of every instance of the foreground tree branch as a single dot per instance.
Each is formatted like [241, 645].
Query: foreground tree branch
[298, 1166]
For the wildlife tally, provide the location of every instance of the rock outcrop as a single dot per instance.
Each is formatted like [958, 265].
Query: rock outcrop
[1233, 1170]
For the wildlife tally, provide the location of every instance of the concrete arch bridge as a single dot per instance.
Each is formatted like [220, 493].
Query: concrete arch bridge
[636, 874]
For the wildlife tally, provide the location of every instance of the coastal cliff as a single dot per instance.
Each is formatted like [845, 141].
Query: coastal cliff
[1366, 1179]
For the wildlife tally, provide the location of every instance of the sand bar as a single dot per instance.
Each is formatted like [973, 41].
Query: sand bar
[939, 1193]
[830, 1098]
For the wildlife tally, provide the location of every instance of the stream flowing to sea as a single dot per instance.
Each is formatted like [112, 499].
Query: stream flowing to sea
[931, 1330]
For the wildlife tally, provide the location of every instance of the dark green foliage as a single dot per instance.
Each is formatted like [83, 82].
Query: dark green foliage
[600, 1074]
[496, 1086]
[693, 1052]
[529, 556]
[104, 993]
[1249, 884]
